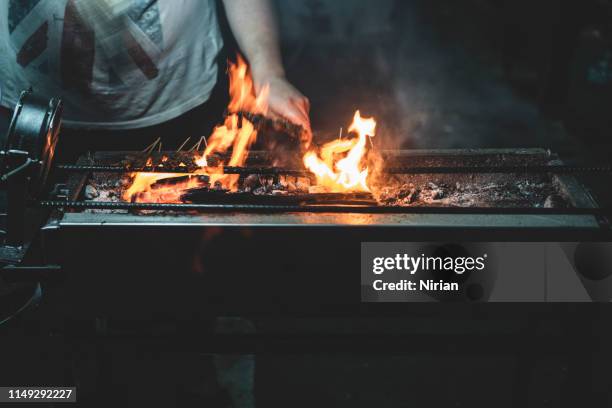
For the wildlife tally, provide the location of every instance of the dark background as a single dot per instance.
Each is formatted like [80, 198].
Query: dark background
[472, 73]
[435, 74]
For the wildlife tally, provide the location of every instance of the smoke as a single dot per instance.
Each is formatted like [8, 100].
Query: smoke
[427, 88]
[449, 98]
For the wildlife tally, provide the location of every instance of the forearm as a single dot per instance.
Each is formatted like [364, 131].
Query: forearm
[254, 25]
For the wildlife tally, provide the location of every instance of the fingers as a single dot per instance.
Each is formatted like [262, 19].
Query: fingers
[295, 111]
[304, 105]
[300, 113]
[288, 103]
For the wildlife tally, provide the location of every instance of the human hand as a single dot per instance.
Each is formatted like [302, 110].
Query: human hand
[285, 101]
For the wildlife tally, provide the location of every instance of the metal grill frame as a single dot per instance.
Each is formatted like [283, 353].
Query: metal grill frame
[585, 215]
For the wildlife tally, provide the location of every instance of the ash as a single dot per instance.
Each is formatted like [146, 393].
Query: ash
[418, 190]
[460, 190]
[283, 185]
[471, 191]
[106, 187]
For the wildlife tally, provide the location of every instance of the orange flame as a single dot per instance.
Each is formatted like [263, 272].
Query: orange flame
[144, 189]
[242, 91]
[236, 133]
[339, 164]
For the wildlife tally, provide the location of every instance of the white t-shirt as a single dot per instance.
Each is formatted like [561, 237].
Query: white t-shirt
[168, 64]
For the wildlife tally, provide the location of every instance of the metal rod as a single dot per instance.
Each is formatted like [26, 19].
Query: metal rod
[185, 170]
[265, 171]
[183, 144]
[559, 169]
[255, 208]
[207, 196]
[104, 169]
[17, 169]
[152, 146]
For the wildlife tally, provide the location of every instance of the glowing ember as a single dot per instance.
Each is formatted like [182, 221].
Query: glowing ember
[339, 165]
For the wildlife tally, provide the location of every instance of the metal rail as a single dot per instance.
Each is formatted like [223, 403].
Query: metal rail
[557, 169]
[182, 170]
[368, 209]
[554, 168]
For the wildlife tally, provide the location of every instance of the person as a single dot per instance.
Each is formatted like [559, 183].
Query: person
[131, 69]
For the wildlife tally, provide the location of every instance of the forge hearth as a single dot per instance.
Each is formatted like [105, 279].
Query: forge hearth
[504, 190]
[229, 254]
[510, 188]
